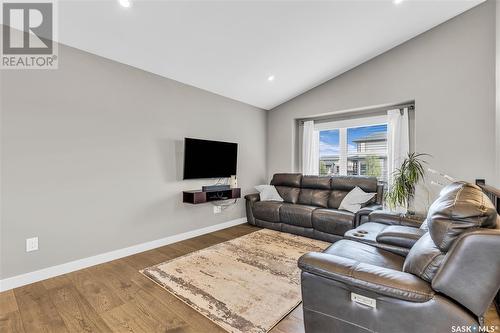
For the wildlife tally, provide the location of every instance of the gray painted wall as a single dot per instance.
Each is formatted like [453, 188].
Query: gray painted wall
[497, 40]
[450, 73]
[92, 158]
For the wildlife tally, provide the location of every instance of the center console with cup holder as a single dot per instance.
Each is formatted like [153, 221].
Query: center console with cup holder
[389, 231]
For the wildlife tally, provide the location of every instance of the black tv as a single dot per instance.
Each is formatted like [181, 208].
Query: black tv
[209, 159]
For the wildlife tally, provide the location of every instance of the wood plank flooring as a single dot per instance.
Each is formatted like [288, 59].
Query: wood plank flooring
[115, 297]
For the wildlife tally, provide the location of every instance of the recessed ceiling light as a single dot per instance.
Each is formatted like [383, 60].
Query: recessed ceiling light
[125, 3]
[397, 2]
[270, 78]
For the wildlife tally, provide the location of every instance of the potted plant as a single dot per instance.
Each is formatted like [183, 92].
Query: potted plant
[405, 179]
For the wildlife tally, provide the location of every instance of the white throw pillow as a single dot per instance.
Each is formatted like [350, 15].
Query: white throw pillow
[355, 199]
[268, 193]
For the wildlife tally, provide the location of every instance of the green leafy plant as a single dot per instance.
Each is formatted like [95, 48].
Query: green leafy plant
[373, 167]
[323, 170]
[404, 181]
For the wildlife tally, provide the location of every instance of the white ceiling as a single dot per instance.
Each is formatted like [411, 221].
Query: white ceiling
[231, 47]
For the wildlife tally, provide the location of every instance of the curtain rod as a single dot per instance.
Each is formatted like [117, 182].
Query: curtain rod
[358, 114]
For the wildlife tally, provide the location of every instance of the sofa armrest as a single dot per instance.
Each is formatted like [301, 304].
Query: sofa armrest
[393, 218]
[368, 277]
[253, 197]
[362, 215]
[250, 200]
[401, 236]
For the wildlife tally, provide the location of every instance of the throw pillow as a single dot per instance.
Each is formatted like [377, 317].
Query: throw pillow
[355, 199]
[424, 226]
[268, 193]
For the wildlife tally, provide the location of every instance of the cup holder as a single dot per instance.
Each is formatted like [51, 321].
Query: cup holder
[359, 235]
[364, 232]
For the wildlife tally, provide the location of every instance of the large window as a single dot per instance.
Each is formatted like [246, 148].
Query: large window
[354, 148]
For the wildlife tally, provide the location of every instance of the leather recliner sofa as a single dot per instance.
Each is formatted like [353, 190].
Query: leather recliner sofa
[448, 279]
[310, 206]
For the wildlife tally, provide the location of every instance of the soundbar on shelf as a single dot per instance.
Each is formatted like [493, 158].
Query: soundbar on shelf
[215, 188]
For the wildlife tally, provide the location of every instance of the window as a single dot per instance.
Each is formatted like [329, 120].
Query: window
[329, 152]
[356, 147]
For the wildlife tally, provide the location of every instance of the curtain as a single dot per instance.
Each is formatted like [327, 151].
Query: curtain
[310, 149]
[398, 140]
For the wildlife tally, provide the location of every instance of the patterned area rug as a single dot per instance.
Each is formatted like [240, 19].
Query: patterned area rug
[247, 284]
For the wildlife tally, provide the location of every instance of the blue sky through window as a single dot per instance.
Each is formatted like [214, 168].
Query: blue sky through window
[329, 140]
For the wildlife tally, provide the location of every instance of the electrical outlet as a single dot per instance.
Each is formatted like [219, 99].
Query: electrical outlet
[31, 244]
[217, 209]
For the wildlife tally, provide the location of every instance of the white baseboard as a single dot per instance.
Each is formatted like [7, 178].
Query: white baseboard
[45, 273]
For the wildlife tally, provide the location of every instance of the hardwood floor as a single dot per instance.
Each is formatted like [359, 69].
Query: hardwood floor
[115, 297]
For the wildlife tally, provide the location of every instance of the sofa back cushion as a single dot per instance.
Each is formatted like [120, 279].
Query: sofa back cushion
[289, 194]
[347, 183]
[315, 191]
[316, 182]
[336, 198]
[424, 258]
[312, 197]
[460, 208]
[287, 179]
[288, 186]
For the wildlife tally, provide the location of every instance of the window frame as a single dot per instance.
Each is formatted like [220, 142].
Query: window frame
[347, 123]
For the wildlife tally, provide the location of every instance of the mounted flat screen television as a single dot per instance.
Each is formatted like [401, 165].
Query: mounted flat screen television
[209, 159]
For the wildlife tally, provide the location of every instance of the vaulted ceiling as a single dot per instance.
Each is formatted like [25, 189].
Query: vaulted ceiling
[232, 48]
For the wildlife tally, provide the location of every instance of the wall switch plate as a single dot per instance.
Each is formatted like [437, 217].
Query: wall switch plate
[217, 209]
[31, 244]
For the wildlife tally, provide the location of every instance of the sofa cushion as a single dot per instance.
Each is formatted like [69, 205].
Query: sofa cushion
[336, 198]
[314, 197]
[399, 235]
[287, 179]
[289, 194]
[316, 182]
[267, 210]
[365, 253]
[347, 183]
[459, 207]
[332, 221]
[424, 259]
[300, 215]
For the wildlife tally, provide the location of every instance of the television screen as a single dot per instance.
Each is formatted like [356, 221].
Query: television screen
[209, 159]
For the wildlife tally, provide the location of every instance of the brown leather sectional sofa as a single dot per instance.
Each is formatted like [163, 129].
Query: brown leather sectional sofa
[310, 206]
[397, 275]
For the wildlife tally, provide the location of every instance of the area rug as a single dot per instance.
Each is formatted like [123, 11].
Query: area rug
[247, 284]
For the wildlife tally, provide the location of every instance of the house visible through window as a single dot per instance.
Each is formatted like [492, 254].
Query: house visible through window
[354, 150]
